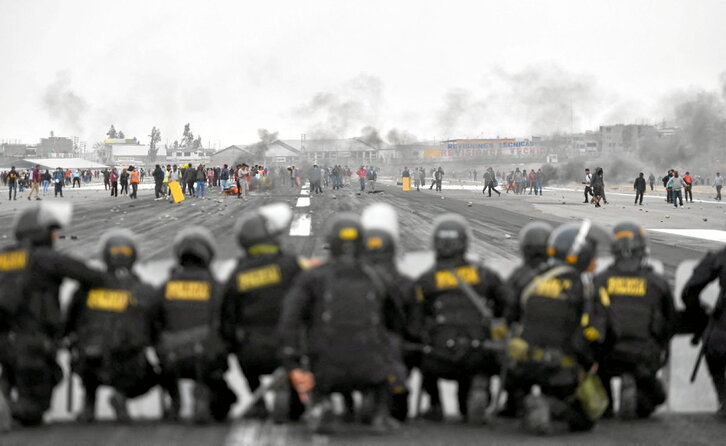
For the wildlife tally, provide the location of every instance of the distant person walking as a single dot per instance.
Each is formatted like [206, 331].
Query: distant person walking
[439, 178]
[718, 184]
[639, 186]
[676, 184]
[35, 183]
[46, 177]
[666, 180]
[201, 178]
[362, 172]
[598, 186]
[588, 186]
[651, 181]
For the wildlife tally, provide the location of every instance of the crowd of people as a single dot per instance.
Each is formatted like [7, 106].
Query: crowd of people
[554, 333]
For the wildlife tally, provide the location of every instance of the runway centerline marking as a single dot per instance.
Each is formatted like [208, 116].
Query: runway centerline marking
[301, 225]
[303, 202]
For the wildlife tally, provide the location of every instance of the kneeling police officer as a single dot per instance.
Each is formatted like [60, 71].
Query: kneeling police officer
[108, 329]
[31, 273]
[461, 300]
[190, 344]
[252, 303]
[641, 305]
[334, 316]
[560, 333]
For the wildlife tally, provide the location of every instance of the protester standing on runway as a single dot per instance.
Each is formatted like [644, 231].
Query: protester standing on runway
[651, 181]
[639, 186]
[123, 180]
[45, 178]
[676, 184]
[113, 180]
[158, 175]
[439, 177]
[13, 184]
[598, 187]
[134, 182]
[58, 182]
[718, 184]
[688, 188]
[201, 182]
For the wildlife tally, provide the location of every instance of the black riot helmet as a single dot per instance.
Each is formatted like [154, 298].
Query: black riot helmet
[345, 235]
[263, 226]
[380, 227]
[451, 236]
[36, 225]
[574, 244]
[533, 242]
[630, 244]
[194, 246]
[118, 249]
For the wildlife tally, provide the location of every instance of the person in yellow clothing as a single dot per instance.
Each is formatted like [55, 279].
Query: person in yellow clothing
[134, 182]
[165, 182]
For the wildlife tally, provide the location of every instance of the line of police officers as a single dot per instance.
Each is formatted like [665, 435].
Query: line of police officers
[553, 333]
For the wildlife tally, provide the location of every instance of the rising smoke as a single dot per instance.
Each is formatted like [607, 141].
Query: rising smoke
[343, 110]
[64, 105]
[400, 137]
[260, 148]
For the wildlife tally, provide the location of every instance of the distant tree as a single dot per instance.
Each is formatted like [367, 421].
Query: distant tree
[197, 144]
[112, 133]
[155, 137]
[187, 137]
[175, 145]
[121, 135]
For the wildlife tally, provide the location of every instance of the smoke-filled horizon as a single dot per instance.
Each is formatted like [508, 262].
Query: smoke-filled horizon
[321, 69]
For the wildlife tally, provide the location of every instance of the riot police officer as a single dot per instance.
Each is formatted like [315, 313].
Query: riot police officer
[252, 303]
[190, 344]
[562, 329]
[641, 305]
[533, 239]
[109, 328]
[711, 329]
[533, 248]
[31, 272]
[461, 300]
[403, 312]
[334, 317]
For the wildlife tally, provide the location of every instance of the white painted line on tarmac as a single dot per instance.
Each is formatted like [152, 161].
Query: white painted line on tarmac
[303, 202]
[304, 192]
[714, 235]
[301, 225]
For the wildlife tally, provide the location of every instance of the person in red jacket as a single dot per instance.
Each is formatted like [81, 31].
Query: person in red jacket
[688, 180]
[362, 172]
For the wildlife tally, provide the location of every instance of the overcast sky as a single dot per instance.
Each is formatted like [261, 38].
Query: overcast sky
[435, 69]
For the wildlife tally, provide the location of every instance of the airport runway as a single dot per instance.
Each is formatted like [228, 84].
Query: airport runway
[676, 235]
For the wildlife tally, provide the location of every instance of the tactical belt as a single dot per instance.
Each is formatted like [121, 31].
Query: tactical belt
[520, 351]
[184, 338]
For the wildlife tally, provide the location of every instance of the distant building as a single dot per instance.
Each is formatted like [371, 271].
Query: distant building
[326, 152]
[230, 156]
[55, 147]
[13, 150]
[624, 137]
[123, 152]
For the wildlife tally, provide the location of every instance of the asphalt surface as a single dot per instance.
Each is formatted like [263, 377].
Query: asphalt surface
[495, 223]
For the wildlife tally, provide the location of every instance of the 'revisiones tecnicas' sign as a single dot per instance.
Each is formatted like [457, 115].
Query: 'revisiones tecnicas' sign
[475, 148]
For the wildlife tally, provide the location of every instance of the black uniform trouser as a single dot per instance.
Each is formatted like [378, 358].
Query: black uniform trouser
[114, 189]
[650, 390]
[639, 196]
[130, 374]
[588, 193]
[33, 372]
[202, 372]
[157, 189]
[689, 193]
